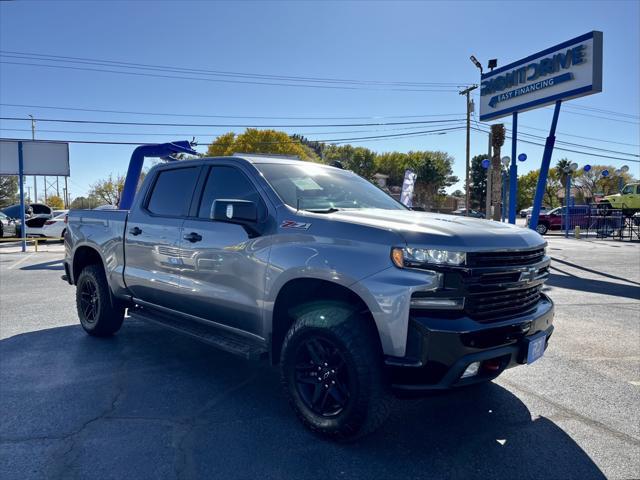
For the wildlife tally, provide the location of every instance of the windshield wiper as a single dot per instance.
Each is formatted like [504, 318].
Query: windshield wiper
[322, 210]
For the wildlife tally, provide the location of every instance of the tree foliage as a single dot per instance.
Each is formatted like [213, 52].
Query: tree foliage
[108, 190]
[55, 202]
[8, 190]
[86, 202]
[260, 141]
[434, 170]
[478, 182]
[357, 159]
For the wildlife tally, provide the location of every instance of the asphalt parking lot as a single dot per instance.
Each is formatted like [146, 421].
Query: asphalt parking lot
[152, 404]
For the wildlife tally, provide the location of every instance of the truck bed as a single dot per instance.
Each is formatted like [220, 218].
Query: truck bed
[102, 230]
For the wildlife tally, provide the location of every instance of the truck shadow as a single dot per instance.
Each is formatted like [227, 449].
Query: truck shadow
[570, 281]
[151, 404]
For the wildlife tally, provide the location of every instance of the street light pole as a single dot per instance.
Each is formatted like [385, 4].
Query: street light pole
[467, 92]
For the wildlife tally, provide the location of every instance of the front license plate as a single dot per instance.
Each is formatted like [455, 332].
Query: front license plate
[536, 348]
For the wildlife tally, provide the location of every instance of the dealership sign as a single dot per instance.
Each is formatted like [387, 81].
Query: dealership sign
[569, 70]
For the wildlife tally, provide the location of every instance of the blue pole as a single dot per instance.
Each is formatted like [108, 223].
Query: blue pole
[567, 202]
[544, 168]
[23, 225]
[513, 171]
[504, 195]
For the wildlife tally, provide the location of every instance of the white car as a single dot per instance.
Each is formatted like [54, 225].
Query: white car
[56, 226]
[527, 211]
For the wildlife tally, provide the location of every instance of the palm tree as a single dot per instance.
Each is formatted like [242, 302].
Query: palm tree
[563, 163]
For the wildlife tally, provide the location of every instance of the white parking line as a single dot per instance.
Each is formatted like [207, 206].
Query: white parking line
[20, 261]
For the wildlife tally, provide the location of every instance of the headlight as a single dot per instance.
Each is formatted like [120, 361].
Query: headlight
[417, 257]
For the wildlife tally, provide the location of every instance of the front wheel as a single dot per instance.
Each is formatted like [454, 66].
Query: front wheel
[332, 372]
[542, 228]
[99, 315]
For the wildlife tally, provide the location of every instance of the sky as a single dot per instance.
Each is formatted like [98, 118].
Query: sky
[426, 44]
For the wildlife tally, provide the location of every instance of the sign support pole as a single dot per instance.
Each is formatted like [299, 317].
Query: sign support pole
[513, 171]
[567, 202]
[23, 225]
[544, 168]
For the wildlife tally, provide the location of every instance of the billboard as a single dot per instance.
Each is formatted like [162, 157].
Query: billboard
[38, 158]
[569, 70]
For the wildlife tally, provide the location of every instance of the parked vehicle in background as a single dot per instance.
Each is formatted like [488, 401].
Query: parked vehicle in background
[7, 226]
[321, 272]
[56, 226]
[628, 200]
[36, 214]
[579, 215]
[472, 213]
[527, 211]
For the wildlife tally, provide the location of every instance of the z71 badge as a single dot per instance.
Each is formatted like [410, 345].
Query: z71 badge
[294, 224]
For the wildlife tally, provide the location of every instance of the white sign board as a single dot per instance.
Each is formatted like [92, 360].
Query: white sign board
[38, 158]
[569, 70]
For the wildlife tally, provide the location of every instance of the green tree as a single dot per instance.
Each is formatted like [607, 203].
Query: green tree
[527, 189]
[359, 160]
[593, 182]
[478, 182]
[561, 165]
[55, 202]
[434, 172]
[86, 202]
[8, 190]
[108, 190]
[260, 141]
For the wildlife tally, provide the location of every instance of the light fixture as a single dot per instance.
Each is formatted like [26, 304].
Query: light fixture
[476, 63]
[506, 161]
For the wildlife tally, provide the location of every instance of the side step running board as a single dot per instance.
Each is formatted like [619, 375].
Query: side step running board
[226, 341]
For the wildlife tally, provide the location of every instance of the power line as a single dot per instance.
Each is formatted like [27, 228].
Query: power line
[128, 112]
[218, 80]
[201, 134]
[174, 69]
[106, 122]
[440, 131]
[566, 149]
[600, 110]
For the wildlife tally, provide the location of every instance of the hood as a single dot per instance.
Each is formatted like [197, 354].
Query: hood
[438, 230]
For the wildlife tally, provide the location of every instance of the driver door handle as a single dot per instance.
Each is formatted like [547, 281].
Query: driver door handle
[192, 237]
[135, 231]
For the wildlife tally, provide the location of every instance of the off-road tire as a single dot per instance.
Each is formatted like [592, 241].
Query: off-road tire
[100, 315]
[356, 340]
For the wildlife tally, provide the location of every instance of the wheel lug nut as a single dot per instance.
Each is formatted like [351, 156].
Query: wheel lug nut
[326, 386]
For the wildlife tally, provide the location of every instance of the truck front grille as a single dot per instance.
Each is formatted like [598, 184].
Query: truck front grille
[500, 259]
[494, 305]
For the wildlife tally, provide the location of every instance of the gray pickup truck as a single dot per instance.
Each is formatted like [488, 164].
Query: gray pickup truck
[313, 268]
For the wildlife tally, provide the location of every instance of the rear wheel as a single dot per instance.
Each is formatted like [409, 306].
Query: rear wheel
[332, 372]
[99, 314]
[542, 228]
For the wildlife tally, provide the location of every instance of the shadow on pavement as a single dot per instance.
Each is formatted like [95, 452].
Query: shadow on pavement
[52, 265]
[151, 404]
[602, 287]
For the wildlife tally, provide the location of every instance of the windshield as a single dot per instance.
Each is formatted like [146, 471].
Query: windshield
[313, 187]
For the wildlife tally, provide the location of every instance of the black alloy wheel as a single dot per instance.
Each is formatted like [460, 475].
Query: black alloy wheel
[89, 300]
[321, 376]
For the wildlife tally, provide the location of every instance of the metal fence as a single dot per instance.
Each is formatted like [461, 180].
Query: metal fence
[601, 222]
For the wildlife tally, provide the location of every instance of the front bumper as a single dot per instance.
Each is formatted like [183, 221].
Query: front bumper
[440, 349]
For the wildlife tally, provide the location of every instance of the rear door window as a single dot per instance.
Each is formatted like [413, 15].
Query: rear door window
[172, 192]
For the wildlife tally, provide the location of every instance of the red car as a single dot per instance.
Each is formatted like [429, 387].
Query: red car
[579, 215]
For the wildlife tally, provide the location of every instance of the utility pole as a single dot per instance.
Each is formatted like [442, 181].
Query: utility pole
[35, 179]
[467, 92]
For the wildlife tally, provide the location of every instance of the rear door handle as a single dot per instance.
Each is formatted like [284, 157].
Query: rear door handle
[135, 231]
[192, 237]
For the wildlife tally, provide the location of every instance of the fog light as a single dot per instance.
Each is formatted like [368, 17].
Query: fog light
[438, 303]
[471, 370]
